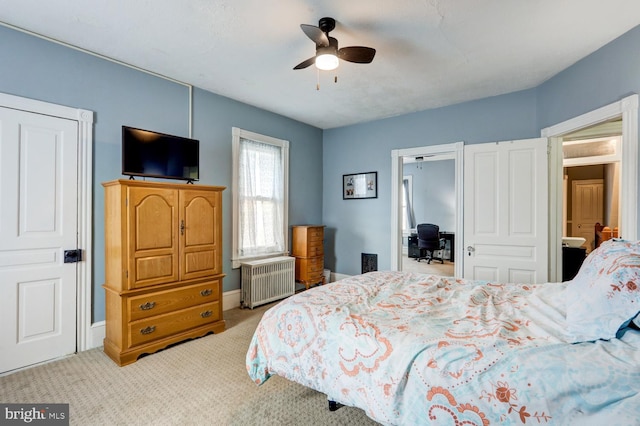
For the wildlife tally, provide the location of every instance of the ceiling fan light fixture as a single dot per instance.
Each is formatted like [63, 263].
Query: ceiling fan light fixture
[327, 61]
[328, 56]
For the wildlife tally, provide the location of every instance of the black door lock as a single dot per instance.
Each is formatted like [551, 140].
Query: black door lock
[72, 256]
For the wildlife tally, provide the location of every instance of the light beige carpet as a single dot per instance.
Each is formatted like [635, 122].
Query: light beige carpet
[199, 382]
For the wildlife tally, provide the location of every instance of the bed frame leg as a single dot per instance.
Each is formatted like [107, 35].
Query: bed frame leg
[333, 406]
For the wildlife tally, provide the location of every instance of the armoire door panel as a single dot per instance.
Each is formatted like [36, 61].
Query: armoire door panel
[200, 262]
[155, 221]
[151, 270]
[199, 217]
[200, 239]
[153, 224]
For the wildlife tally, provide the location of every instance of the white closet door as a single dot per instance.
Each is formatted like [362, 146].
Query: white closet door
[587, 209]
[38, 222]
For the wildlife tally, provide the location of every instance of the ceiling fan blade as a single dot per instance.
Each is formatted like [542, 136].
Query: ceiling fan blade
[357, 54]
[315, 34]
[305, 63]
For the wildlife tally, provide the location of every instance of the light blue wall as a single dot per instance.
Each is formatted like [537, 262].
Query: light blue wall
[606, 76]
[213, 118]
[434, 197]
[364, 226]
[38, 69]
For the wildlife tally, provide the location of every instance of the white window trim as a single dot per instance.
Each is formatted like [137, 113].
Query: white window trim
[237, 133]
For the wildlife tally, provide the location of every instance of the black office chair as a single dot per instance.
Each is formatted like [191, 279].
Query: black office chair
[429, 241]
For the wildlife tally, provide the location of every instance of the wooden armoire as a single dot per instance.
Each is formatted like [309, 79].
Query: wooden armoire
[163, 265]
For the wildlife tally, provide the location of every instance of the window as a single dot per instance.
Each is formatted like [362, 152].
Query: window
[260, 196]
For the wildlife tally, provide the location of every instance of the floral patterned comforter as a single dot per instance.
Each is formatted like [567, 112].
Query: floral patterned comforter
[420, 349]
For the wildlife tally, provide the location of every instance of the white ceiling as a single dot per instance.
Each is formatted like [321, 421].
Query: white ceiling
[430, 53]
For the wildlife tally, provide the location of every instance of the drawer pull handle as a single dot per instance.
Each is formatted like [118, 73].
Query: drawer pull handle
[206, 314]
[206, 292]
[147, 306]
[148, 330]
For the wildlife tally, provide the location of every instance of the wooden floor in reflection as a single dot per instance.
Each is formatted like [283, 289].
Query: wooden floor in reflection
[434, 268]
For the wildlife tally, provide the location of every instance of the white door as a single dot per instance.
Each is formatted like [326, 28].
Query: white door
[587, 209]
[505, 211]
[38, 222]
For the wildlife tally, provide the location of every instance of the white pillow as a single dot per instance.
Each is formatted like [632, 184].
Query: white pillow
[605, 294]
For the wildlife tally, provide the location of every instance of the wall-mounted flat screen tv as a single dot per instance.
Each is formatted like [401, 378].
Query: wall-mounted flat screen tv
[152, 154]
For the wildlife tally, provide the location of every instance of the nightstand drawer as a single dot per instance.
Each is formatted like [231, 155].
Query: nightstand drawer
[161, 302]
[161, 326]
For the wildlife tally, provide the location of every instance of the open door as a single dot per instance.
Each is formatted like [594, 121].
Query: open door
[506, 211]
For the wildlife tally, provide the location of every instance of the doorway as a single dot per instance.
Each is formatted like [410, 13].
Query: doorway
[428, 196]
[46, 308]
[437, 153]
[626, 111]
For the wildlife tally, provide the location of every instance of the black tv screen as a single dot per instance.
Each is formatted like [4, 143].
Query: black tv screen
[152, 154]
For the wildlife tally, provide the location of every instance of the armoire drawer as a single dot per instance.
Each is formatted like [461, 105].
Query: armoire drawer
[160, 302]
[160, 326]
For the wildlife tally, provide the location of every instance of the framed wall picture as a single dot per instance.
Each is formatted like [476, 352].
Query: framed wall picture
[360, 185]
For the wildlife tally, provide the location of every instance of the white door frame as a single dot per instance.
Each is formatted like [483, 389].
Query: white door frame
[628, 109]
[452, 151]
[85, 194]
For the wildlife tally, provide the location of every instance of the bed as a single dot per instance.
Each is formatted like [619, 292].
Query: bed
[413, 349]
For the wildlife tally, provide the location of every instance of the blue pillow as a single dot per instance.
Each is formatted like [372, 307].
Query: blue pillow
[636, 322]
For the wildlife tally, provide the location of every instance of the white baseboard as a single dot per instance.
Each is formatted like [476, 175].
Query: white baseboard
[230, 300]
[96, 334]
[336, 276]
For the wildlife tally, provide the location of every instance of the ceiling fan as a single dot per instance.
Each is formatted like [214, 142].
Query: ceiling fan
[327, 52]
